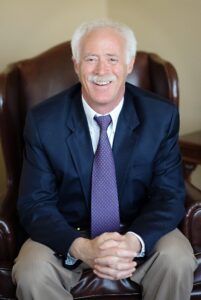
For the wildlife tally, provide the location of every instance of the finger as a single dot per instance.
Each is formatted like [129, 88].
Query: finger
[118, 266]
[118, 252]
[112, 261]
[109, 244]
[104, 276]
[113, 274]
[111, 236]
[125, 253]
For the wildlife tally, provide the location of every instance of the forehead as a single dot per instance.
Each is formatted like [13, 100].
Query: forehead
[101, 40]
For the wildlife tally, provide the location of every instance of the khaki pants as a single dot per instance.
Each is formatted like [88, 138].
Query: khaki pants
[166, 275]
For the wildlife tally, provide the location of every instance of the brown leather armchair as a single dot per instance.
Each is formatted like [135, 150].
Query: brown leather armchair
[25, 83]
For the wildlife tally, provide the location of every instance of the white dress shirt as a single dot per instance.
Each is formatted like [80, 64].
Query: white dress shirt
[94, 129]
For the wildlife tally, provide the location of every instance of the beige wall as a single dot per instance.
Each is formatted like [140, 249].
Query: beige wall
[171, 28]
[28, 27]
[168, 27]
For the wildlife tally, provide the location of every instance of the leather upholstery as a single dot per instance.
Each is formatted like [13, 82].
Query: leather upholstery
[28, 82]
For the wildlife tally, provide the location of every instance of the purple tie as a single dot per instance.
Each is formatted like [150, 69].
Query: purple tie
[104, 196]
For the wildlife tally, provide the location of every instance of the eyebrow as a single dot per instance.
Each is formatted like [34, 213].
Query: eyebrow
[90, 54]
[109, 54]
[96, 55]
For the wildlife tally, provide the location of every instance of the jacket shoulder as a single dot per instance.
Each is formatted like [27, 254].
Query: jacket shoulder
[147, 95]
[57, 101]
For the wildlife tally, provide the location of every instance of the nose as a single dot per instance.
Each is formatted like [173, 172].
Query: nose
[101, 67]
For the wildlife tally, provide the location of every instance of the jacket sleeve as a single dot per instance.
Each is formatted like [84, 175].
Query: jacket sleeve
[164, 207]
[38, 196]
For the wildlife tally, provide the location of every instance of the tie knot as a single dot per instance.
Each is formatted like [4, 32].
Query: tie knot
[103, 121]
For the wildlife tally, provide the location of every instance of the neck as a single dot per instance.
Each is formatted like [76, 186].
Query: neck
[103, 108]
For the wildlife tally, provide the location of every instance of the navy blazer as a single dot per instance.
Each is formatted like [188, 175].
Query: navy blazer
[54, 196]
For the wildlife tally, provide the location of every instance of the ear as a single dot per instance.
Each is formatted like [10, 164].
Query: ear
[130, 65]
[76, 67]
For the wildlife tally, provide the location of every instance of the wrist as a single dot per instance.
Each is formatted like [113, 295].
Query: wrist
[77, 248]
[134, 242]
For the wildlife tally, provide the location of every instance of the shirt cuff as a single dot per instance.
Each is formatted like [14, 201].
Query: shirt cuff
[70, 260]
[142, 252]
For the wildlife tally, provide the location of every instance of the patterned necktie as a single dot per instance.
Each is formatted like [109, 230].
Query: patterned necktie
[104, 196]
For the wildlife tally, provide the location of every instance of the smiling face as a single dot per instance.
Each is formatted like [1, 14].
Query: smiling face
[102, 68]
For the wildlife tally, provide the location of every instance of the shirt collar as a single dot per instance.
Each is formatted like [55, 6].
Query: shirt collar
[90, 113]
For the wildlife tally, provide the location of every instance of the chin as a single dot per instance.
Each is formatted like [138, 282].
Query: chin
[103, 101]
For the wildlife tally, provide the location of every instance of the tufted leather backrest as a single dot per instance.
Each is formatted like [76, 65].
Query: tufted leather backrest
[28, 82]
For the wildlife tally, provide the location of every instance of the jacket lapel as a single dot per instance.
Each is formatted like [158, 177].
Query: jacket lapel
[125, 139]
[79, 143]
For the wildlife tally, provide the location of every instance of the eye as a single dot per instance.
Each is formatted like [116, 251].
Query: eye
[113, 60]
[91, 59]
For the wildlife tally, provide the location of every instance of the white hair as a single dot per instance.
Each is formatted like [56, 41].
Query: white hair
[85, 28]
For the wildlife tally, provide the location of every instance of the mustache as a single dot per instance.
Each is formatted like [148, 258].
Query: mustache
[98, 79]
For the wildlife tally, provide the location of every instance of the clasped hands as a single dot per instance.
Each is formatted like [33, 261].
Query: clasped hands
[110, 255]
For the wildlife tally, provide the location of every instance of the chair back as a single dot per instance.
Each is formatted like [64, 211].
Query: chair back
[28, 82]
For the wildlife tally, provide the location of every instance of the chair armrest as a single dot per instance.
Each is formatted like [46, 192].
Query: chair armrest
[191, 225]
[7, 232]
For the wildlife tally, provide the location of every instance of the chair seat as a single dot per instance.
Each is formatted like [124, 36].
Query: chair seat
[90, 287]
[197, 279]
[7, 289]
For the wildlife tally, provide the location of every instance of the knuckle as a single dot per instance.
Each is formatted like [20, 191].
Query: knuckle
[118, 266]
[117, 276]
[114, 274]
[112, 261]
[118, 252]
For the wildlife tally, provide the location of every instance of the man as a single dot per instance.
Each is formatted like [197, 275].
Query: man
[62, 180]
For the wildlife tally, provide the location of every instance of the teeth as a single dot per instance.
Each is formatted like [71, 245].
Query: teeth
[102, 82]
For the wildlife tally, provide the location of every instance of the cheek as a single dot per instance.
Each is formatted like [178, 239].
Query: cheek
[87, 68]
[120, 71]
